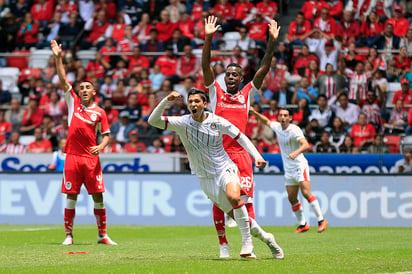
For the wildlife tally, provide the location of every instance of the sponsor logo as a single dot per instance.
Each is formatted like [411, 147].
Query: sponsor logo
[93, 117]
[68, 185]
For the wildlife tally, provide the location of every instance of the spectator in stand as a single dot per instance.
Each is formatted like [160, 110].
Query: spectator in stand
[348, 146]
[113, 146]
[97, 68]
[188, 65]
[55, 108]
[400, 64]
[283, 96]
[199, 34]
[138, 62]
[358, 82]
[119, 96]
[398, 119]
[331, 83]
[328, 52]
[407, 41]
[245, 42]
[42, 12]
[186, 26]
[154, 9]
[153, 45]
[323, 114]
[146, 132]
[151, 104]
[13, 146]
[66, 8]
[133, 9]
[297, 29]
[122, 127]
[363, 133]
[370, 28]
[5, 128]
[301, 115]
[306, 91]
[133, 108]
[165, 27]
[378, 146]
[387, 41]
[118, 27]
[301, 63]
[39, 145]
[109, 8]
[258, 28]
[226, 13]
[238, 58]
[404, 94]
[267, 8]
[404, 165]
[8, 31]
[352, 57]
[14, 114]
[32, 117]
[311, 8]
[176, 10]
[313, 131]
[168, 65]
[127, 43]
[371, 107]
[337, 132]
[157, 146]
[59, 157]
[111, 113]
[345, 110]
[177, 108]
[400, 24]
[284, 54]
[335, 8]
[143, 28]
[324, 145]
[27, 36]
[68, 32]
[156, 78]
[325, 23]
[19, 8]
[312, 72]
[51, 30]
[5, 95]
[273, 111]
[86, 9]
[276, 73]
[178, 42]
[134, 145]
[243, 9]
[99, 30]
[348, 28]
[108, 87]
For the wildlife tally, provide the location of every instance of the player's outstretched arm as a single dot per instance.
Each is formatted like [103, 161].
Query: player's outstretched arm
[250, 147]
[274, 30]
[156, 119]
[265, 120]
[210, 29]
[57, 53]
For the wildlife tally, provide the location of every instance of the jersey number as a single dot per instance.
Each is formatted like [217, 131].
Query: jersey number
[246, 182]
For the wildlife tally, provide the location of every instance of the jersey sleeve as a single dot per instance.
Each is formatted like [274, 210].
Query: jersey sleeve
[213, 95]
[229, 129]
[298, 133]
[274, 126]
[70, 97]
[175, 123]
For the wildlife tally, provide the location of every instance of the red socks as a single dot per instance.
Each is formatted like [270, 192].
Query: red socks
[68, 220]
[101, 220]
[219, 220]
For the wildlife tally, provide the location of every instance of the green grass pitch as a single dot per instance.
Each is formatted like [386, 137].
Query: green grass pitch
[177, 249]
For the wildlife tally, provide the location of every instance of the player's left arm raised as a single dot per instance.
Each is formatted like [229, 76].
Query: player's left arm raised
[274, 30]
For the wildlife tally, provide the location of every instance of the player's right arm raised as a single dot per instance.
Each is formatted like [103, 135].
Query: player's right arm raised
[57, 53]
[210, 29]
[156, 119]
[265, 120]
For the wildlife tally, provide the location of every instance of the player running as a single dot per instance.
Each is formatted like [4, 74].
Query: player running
[292, 145]
[233, 104]
[82, 163]
[201, 134]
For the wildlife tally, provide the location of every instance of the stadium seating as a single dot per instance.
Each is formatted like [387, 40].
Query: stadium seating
[230, 39]
[392, 88]
[86, 56]
[406, 142]
[167, 141]
[36, 72]
[26, 139]
[9, 76]
[393, 141]
[39, 58]
[18, 61]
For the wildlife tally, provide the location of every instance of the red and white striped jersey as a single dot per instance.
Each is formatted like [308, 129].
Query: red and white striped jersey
[13, 148]
[358, 79]
[330, 86]
[372, 111]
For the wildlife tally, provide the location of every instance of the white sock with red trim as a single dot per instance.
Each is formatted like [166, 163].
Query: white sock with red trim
[298, 211]
[316, 207]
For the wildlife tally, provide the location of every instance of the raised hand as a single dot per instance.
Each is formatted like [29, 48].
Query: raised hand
[173, 96]
[274, 29]
[260, 163]
[57, 49]
[210, 25]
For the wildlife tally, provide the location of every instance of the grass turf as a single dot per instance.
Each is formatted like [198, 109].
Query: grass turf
[144, 249]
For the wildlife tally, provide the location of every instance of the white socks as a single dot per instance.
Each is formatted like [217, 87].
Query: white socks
[242, 220]
[298, 211]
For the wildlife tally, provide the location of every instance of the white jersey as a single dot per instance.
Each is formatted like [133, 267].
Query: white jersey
[203, 142]
[289, 141]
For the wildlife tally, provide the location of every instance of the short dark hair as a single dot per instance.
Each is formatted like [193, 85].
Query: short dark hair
[287, 109]
[234, 65]
[87, 81]
[194, 91]
[323, 96]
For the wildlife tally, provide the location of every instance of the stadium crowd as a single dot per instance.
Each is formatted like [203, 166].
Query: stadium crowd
[333, 66]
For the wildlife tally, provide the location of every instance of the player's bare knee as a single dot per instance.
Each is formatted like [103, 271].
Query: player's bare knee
[72, 196]
[97, 197]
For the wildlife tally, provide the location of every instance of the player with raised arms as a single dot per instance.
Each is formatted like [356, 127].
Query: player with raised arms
[233, 104]
[82, 163]
[292, 145]
[201, 134]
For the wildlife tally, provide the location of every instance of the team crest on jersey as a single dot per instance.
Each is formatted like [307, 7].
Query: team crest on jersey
[212, 125]
[93, 117]
[241, 99]
[68, 185]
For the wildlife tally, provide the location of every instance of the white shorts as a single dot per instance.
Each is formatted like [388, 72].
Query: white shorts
[215, 188]
[299, 174]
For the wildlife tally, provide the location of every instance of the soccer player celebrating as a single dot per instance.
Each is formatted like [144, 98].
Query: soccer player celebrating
[201, 134]
[82, 163]
[292, 145]
[233, 104]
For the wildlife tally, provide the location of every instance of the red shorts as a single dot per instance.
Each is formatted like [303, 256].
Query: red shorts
[244, 164]
[79, 170]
